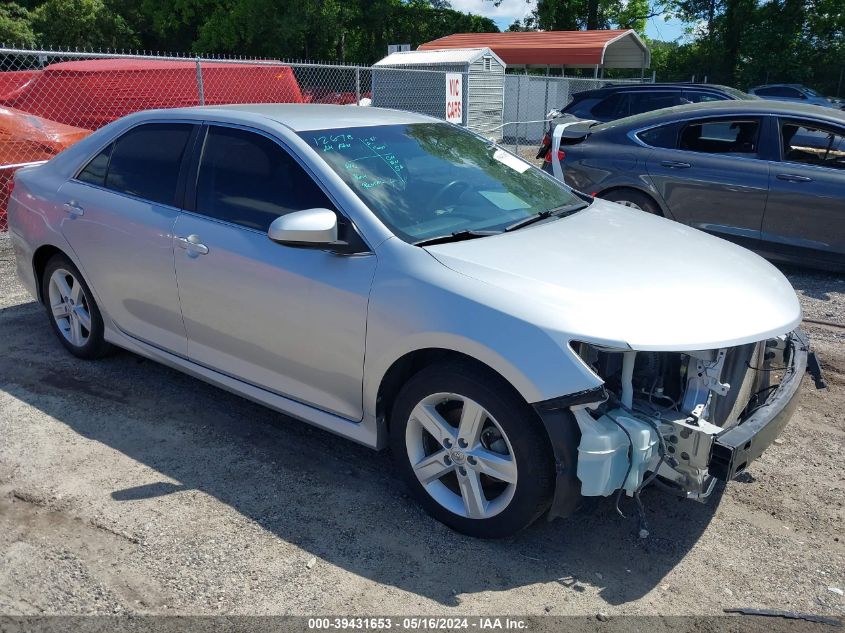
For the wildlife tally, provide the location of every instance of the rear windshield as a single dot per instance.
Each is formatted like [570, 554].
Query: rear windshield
[427, 180]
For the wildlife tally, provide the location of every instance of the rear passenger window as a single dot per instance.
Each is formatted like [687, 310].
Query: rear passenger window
[247, 179]
[665, 136]
[721, 137]
[95, 171]
[614, 106]
[646, 102]
[145, 161]
[702, 97]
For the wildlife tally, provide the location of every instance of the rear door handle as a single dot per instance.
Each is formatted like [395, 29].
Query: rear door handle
[73, 209]
[192, 244]
[794, 178]
[674, 164]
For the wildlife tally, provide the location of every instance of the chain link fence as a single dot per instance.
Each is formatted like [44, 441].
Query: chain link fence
[52, 99]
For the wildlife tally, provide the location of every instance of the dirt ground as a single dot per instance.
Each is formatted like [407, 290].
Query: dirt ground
[128, 487]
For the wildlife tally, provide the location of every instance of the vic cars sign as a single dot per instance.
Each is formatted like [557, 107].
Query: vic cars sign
[455, 97]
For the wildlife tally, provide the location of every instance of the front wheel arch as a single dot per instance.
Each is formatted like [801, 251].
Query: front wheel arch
[412, 363]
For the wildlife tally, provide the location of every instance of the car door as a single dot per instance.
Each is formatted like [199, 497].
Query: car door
[121, 208]
[805, 212]
[291, 320]
[712, 176]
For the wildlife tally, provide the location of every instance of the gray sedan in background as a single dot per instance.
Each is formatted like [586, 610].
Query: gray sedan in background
[403, 282]
[768, 175]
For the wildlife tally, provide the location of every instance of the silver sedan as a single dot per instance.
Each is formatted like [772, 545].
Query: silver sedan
[402, 281]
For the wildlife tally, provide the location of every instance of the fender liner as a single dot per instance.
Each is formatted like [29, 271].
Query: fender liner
[565, 436]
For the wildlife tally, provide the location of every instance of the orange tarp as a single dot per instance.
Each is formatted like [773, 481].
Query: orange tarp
[25, 138]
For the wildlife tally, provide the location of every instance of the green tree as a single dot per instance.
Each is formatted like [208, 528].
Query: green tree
[16, 25]
[85, 23]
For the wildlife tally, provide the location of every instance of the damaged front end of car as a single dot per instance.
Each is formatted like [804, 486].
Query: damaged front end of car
[683, 419]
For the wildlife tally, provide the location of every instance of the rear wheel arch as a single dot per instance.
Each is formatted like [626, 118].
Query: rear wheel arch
[40, 258]
[637, 193]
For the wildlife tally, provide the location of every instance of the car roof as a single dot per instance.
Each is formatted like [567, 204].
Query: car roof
[300, 117]
[720, 108]
[778, 86]
[652, 86]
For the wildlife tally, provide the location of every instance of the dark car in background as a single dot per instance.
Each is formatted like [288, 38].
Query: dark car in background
[768, 175]
[619, 101]
[796, 93]
[616, 102]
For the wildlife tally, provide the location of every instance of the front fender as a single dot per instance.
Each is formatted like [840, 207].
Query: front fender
[425, 305]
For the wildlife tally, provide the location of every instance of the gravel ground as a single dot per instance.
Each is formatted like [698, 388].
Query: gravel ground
[126, 487]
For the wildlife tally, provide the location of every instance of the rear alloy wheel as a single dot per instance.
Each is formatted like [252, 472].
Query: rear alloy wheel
[472, 451]
[633, 199]
[73, 313]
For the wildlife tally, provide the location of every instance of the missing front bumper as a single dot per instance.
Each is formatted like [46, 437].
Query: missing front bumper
[697, 452]
[735, 448]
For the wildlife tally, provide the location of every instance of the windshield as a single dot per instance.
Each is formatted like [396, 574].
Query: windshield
[427, 180]
[812, 92]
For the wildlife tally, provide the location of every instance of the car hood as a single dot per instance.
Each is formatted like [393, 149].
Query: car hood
[612, 275]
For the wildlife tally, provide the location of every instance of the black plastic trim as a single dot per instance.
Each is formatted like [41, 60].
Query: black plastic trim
[596, 394]
[735, 448]
[565, 436]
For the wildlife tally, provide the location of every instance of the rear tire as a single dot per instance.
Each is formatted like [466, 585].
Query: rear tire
[633, 199]
[74, 316]
[473, 453]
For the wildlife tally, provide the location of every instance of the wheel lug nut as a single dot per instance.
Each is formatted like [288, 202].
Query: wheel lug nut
[471, 460]
[462, 442]
[463, 470]
[447, 460]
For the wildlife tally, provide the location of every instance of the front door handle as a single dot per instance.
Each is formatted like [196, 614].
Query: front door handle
[192, 244]
[794, 178]
[73, 209]
[674, 164]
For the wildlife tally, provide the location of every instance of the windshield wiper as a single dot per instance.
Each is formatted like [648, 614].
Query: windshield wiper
[457, 236]
[542, 215]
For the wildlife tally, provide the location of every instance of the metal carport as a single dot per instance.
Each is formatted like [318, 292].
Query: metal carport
[600, 49]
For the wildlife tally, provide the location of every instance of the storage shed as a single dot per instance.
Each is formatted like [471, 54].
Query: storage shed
[482, 76]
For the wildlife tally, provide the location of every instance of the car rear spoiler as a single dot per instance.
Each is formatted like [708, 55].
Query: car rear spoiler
[576, 130]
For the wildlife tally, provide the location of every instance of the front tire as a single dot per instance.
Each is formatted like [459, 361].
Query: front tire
[74, 316]
[473, 453]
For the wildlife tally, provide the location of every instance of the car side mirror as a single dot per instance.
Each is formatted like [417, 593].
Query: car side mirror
[311, 227]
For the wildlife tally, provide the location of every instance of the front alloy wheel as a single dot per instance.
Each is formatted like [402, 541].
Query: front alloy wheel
[473, 453]
[461, 456]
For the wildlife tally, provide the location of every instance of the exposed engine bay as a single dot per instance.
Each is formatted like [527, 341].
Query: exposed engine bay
[665, 412]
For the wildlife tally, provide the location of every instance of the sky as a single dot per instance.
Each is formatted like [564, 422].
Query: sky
[510, 10]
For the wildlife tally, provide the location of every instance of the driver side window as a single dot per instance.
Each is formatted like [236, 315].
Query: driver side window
[246, 178]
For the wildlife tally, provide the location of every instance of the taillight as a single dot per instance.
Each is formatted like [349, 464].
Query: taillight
[547, 140]
[561, 155]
